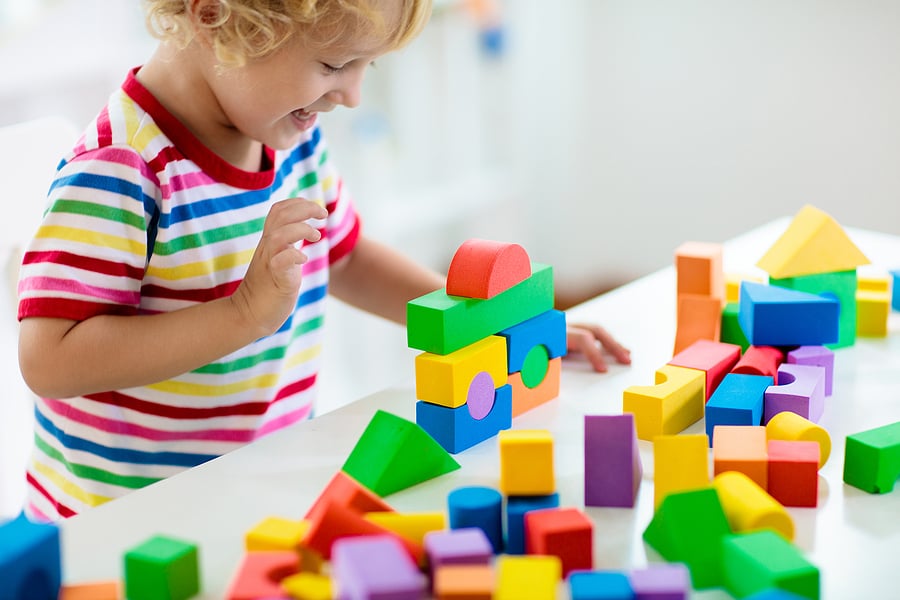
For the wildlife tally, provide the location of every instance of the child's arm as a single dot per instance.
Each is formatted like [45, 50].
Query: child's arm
[61, 358]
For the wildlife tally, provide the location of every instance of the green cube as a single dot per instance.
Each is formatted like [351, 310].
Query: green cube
[872, 459]
[162, 568]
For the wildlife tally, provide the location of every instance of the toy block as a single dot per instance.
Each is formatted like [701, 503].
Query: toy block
[410, 526]
[376, 567]
[612, 460]
[688, 527]
[484, 268]
[453, 379]
[872, 459]
[343, 490]
[731, 332]
[464, 546]
[872, 311]
[548, 329]
[163, 568]
[532, 576]
[818, 356]
[895, 286]
[458, 429]
[741, 448]
[525, 398]
[774, 594]
[516, 509]
[873, 282]
[671, 405]
[749, 507]
[839, 287]
[259, 575]
[680, 462]
[715, 359]
[478, 506]
[30, 560]
[440, 324]
[697, 318]
[813, 243]
[661, 582]
[308, 586]
[563, 532]
[794, 473]
[760, 360]
[698, 269]
[526, 462]
[464, 582]
[777, 316]
[394, 454]
[600, 585]
[799, 389]
[761, 560]
[98, 590]
[733, 284]
[737, 401]
[790, 427]
[276, 533]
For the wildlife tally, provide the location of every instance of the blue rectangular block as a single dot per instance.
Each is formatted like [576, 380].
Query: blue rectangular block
[30, 560]
[895, 297]
[548, 329]
[738, 400]
[455, 429]
[600, 585]
[774, 316]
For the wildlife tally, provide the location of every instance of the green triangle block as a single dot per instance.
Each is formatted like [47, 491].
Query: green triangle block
[393, 454]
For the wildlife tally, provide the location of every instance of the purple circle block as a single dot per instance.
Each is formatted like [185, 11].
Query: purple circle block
[480, 398]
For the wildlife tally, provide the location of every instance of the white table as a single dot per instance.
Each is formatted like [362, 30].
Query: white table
[853, 537]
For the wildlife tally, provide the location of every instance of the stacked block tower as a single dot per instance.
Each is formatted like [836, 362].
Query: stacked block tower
[492, 344]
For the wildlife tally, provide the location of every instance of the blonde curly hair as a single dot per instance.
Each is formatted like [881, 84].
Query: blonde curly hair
[247, 29]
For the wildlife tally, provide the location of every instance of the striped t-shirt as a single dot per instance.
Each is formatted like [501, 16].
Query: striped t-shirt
[143, 219]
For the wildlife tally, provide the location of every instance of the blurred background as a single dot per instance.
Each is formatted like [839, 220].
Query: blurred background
[598, 134]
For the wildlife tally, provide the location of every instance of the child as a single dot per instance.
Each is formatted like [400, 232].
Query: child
[171, 302]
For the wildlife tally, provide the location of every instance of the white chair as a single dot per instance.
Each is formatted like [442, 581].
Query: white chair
[29, 153]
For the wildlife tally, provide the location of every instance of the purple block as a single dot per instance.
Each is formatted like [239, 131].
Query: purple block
[661, 582]
[612, 461]
[800, 389]
[375, 567]
[467, 546]
[818, 356]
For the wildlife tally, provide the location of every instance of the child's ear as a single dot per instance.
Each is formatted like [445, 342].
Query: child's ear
[206, 14]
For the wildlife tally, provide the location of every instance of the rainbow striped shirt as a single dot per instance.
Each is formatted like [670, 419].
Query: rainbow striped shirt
[143, 219]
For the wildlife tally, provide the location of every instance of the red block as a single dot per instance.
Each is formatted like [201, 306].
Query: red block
[260, 573]
[715, 358]
[794, 472]
[346, 491]
[566, 533]
[484, 268]
[760, 360]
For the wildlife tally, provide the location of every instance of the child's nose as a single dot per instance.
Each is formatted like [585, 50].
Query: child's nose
[349, 94]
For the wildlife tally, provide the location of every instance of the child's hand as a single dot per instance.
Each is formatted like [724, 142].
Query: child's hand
[588, 339]
[269, 291]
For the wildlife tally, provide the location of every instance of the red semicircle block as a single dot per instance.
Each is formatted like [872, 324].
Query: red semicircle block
[484, 268]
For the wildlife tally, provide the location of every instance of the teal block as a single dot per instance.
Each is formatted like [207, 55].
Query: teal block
[455, 429]
[840, 285]
[30, 562]
[761, 560]
[442, 324]
[872, 459]
[162, 568]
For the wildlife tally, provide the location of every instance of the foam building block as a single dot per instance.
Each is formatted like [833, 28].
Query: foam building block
[818, 356]
[838, 286]
[600, 585]
[345, 491]
[671, 405]
[872, 311]
[548, 329]
[738, 400]
[308, 586]
[449, 379]
[680, 462]
[412, 526]
[376, 567]
[760, 360]
[776, 316]
[748, 507]
[872, 459]
[689, 527]
[478, 506]
[487, 412]
[277, 533]
[96, 590]
[697, 318]
[661, 582]
[162, 567]
[733, 284]
[530, 576]
[698, 269]
[774, 594]
[730, 330]
[394, 454]
[525, 398]
[526, 462]
[612, 460]
[873, 282]
[566, 533]
[464, 546]
[464, 582]
[741, 448]
[799, 389]
[484, 268]
[790, 427]
[30, 560]
[440, 323]
[895, 294]
[516, 509]
[715, 359]
[758, 561]
[259, 575]
[793, 473]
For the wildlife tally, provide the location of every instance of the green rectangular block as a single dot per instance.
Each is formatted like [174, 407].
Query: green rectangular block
[872, 459]
[839, 284]
[441, 324]
[761, 560]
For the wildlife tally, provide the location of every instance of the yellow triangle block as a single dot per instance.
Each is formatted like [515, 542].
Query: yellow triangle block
[813, 243]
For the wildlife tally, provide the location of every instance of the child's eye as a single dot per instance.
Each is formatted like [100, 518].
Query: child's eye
[332, 68]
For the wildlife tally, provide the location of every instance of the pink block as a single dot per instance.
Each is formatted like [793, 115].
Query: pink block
[800, 389]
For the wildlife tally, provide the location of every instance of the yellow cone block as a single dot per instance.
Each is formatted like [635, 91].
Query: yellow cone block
[445, 378]
[790, 427]
[680, 463]
[748, 507]
[675, 402]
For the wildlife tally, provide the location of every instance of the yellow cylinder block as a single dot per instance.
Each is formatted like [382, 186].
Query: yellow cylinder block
[748, 507]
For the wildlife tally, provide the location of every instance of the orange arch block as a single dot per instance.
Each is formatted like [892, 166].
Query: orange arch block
[484, 268]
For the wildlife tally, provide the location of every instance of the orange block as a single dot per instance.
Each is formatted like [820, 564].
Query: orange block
[260, 573]
[741, 448]
[525, 398]
[698, 318]
[698, 267]
[464, 582]
[484, 268]
[99, 590]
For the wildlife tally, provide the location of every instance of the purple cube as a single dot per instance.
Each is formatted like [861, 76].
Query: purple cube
[375, 567]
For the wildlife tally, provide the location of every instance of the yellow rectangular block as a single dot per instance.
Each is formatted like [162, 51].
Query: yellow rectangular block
[742, 448]
[277, 533]
[873, 283]
[308, 586]
[526, 462]
[872, 312]
[410, 526]
[534, 577]
[733, 284]
[675, 402]
[445, 378]
[680, 463]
